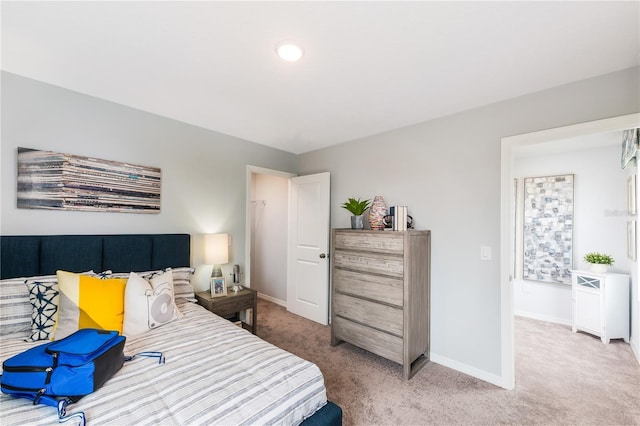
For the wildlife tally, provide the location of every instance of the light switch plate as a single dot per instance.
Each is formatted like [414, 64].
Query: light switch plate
[485, 253]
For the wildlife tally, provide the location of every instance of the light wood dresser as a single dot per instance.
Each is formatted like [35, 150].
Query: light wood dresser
[381, 293]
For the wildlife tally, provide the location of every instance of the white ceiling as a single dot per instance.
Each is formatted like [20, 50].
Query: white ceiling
[369, 67]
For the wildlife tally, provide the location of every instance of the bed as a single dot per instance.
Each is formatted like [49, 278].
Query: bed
[215, 372]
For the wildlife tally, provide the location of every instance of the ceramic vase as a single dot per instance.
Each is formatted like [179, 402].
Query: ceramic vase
[598, 268]
[377, 212]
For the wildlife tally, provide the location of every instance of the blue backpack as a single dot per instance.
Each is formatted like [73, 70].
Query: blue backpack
[61, 372]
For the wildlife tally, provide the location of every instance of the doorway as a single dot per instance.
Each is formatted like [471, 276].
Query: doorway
[266, 233]
[287, 240]
[509, 146]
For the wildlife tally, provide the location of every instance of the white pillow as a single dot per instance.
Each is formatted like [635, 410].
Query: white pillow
[181, 280]
[148, 304]
[182, 283]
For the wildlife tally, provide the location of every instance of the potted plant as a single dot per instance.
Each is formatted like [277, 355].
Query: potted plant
[599, 262]
[357, 208]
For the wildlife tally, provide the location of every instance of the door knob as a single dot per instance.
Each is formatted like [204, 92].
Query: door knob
[322, 255]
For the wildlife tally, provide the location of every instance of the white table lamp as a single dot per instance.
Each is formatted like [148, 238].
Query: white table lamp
[216, 253]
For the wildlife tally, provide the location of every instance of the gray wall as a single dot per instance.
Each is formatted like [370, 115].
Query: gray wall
[203, 172]
[448, 172]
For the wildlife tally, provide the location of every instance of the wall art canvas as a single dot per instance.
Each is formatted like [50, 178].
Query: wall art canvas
[55, 181]
[631, 195]
[548, 229]
[629, 148]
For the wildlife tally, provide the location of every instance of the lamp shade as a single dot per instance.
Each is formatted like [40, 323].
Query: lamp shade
[216, 249]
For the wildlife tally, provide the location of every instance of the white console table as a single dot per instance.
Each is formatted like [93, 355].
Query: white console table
[600, 304]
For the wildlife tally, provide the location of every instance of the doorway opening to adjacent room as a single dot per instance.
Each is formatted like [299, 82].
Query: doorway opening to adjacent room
[510, 146]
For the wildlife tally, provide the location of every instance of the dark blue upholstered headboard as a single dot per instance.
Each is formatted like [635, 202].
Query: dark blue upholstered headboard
[33, 255]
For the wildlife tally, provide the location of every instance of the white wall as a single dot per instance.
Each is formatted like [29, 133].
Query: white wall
[269, 239]
[203, 172]
[448, 172]
[599, 221]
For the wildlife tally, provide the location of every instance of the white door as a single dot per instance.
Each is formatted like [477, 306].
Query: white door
[308, 247]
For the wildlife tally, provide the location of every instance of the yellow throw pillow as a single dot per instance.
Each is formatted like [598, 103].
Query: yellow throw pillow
[89, 302]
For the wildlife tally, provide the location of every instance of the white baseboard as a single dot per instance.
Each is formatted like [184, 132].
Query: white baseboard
[469, 370]
[273, 300]
[541, 317]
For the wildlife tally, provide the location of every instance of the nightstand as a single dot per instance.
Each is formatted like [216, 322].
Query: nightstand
[232, 304]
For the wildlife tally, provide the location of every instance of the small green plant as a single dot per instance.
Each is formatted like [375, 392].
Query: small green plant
[356, 207]
[598, 258]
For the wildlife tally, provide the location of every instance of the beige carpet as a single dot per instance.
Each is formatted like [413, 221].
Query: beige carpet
[562, 378]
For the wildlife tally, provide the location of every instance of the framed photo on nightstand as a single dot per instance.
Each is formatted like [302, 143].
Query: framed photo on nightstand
[218, 288]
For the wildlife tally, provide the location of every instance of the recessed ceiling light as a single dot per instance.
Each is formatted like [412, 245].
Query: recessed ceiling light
[289, 51]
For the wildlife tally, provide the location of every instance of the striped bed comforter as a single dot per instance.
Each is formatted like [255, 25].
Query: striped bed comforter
[215, 374]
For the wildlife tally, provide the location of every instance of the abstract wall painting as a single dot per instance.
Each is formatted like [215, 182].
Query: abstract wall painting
[55, 181]
[548, 229]
[629, 148]
[631, 195]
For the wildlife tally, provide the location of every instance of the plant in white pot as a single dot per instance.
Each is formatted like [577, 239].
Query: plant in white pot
[357, 208]
[598, 262]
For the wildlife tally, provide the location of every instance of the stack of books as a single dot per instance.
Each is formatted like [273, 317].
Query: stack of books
[398, 218]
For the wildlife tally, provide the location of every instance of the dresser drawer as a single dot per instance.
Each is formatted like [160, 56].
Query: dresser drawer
[379, 316]
[383, 289]
[369, 262]
[376, 241]
[378, 342]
